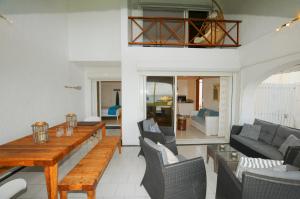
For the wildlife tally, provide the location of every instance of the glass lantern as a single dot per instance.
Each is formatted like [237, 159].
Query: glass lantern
[40, 132]
[71, 120]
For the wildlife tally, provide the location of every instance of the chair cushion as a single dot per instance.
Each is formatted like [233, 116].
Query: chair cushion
[147, 124]
[260, 147]
[283, 133]
[290, 141]
[154, 128]
[158, 148]
[268, 131]
[171, 157]
[250, 131]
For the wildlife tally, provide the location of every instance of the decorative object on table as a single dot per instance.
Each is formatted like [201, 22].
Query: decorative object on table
[71, 120]
[234, 155]
[69, 131]
[60, 131]
[222, 147]
[40, 132]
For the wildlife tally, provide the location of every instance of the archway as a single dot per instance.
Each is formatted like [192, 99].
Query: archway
[251, 79]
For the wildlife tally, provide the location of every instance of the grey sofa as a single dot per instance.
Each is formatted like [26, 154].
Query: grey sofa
[261, 184]
[270, 139]
[166, 137]
[185, 179]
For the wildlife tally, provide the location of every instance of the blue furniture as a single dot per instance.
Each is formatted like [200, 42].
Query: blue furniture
[206, 120]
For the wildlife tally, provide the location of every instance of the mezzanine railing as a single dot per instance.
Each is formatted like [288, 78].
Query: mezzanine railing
[171, 31]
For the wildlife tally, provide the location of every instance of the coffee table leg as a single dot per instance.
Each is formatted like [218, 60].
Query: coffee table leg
[51, 176]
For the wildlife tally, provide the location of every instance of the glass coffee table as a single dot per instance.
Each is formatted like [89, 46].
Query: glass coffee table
[228, 153]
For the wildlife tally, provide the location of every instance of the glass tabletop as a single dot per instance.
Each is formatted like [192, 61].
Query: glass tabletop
[221, 147]
[230, 156]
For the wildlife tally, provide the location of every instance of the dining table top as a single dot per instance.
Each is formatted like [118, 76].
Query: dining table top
[25, 152]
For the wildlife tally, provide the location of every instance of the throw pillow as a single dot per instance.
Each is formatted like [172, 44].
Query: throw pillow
[247, 164]
[147, 124]
[268, 131]
[155, 128]
[158, 148]
[251, 131]
[290, 141]
[171, 157]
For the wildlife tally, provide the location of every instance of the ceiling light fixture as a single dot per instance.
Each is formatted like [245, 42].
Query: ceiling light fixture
[288, 24]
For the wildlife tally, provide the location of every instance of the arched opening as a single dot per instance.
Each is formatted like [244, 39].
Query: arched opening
[277, 99]
[253, 78]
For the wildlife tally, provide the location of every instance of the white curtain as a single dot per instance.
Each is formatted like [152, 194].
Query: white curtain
[225, 107]
[276, 103]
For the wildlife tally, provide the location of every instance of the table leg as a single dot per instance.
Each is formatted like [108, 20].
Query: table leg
[120, 147]
[51, 176]
[103, 130]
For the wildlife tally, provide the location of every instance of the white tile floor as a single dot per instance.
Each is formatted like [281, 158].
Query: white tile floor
[121, 179]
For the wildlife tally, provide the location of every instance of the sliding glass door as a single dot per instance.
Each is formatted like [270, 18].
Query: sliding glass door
[160, 94]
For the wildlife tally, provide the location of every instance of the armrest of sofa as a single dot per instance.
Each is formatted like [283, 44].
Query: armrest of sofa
[236, 129]
[212, 125]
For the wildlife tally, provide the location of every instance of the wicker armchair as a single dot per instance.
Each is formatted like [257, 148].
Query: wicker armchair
[167, 137]
[262, 185]
[185, 179]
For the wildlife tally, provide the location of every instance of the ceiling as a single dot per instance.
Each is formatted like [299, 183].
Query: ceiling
[280, 8]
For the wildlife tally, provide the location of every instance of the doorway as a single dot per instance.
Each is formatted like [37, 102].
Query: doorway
[160, 94]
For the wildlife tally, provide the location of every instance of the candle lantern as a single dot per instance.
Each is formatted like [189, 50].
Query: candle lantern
[40, 132]
[71, 119]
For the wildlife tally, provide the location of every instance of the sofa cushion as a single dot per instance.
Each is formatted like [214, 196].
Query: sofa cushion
[247, 163]
[290, 141]
[260, 147]
[283, 133]
[201, 112]
[199, 120]
[213, 113]
[251, 131]
[268, 131]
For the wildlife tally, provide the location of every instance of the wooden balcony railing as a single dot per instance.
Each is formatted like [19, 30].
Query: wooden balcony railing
[170, 31]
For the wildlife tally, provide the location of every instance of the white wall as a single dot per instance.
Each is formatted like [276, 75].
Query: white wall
[270, 54]
[208, 91]
[34, 68]
[105, 71]
[94, 30]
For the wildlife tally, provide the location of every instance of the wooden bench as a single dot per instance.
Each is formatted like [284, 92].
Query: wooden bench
[87, 173]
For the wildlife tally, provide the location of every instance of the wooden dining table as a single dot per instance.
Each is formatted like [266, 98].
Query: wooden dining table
[24, 152]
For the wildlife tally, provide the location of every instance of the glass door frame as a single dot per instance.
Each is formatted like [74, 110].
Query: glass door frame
[233, 91]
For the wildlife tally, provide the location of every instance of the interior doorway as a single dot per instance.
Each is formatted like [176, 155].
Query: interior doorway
[109, 102]
[203, 109]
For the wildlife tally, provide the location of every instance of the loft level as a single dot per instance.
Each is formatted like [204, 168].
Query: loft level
[191, 32]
